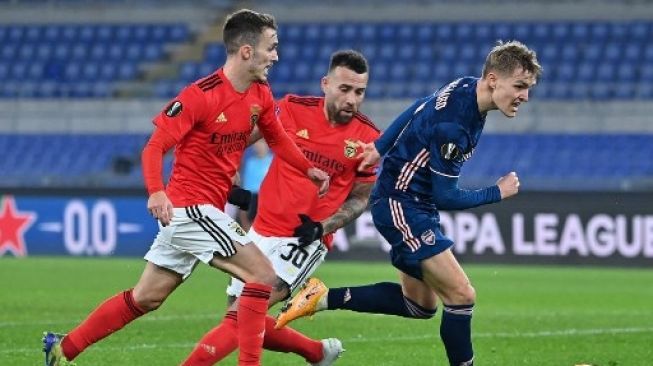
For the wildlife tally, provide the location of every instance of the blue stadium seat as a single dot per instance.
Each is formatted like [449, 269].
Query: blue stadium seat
[639, 31]
[613, 52]
[312, 33]
[606, 72]
[291, 32]
[103, 33]
[127, 70]
[424, 33]
[330, 32]
[624, 91]
[632, 52]
[504, 31]
[15, 33]
[178, 33]
[561, 31]
[626, 73]
[618, 32]
[580, 32]
[9, 51]
[86, 33]
[599, 31]
[463, 32]
[368, 34]
[483, 32]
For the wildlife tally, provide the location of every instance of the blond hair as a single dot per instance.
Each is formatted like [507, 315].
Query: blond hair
[505, 57]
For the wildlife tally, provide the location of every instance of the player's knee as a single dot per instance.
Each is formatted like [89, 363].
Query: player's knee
[148, 302]
[425, 313]
[265, 275]
[417, 310]
[280, 291]
[461, 295]
[466, 295]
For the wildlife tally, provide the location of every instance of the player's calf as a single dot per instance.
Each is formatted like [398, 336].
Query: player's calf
[379, 298]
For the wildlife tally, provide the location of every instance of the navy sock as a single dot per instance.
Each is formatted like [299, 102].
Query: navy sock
[456, 333]
[379, 298]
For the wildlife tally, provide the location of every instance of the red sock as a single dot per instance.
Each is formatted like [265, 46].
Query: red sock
[109, 317]
[287, 339]
[252, 309]
[216, 344]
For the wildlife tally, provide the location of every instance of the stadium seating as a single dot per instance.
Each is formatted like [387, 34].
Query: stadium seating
[78, 60]
[591, 60]
[544, 161]
[587, 60]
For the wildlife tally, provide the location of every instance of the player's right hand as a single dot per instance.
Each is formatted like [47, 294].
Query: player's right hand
[240, 197]
[320, 179]
[369, 155]
[508, 185]
[160, 207]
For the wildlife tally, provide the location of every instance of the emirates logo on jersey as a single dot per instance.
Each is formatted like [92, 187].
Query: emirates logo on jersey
[255, 112]
[350, 149]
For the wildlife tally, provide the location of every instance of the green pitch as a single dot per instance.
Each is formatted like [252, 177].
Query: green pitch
[524, 316]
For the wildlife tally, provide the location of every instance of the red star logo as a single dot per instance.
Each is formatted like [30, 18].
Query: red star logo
[13, 224]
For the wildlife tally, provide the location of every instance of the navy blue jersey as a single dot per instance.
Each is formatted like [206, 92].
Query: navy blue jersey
[426, 146]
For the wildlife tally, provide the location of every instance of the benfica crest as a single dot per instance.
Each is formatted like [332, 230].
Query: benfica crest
[235, 227]
[255, 112]
[350, 149]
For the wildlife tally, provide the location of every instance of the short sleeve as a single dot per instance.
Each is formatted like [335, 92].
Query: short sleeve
[182, 113]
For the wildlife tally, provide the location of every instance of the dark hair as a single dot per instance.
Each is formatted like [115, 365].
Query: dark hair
[350, 59]
[245, 27]
[506, 57]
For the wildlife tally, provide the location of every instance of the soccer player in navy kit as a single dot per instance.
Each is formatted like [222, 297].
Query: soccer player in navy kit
[424, 150]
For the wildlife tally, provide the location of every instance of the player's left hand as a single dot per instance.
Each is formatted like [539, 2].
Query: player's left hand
[320, 179]
[240, 197]
[369, 155]
[308, 231]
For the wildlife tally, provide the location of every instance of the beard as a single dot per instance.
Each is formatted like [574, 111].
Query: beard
[336, 116]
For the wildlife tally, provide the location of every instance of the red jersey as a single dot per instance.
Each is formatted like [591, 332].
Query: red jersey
[210, 123]
[285, 192]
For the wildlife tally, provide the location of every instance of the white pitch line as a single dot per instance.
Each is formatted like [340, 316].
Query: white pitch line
[543, 334]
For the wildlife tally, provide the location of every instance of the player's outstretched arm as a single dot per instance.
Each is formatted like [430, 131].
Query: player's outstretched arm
[448, 196]
[353, 206]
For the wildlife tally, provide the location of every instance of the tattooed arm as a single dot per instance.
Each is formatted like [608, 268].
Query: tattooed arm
[353, 206]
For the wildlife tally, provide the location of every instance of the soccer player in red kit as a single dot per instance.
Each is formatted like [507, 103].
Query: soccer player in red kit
[294, 227]
[209, 124]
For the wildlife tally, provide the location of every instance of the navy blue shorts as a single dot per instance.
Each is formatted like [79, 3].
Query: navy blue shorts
[413, 231]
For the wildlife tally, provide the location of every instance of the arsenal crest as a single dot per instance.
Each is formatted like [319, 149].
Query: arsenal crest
[428, 237]
[350, 149]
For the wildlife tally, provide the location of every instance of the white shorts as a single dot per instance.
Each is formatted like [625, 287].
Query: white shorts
[291, 263]
[196, 233]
